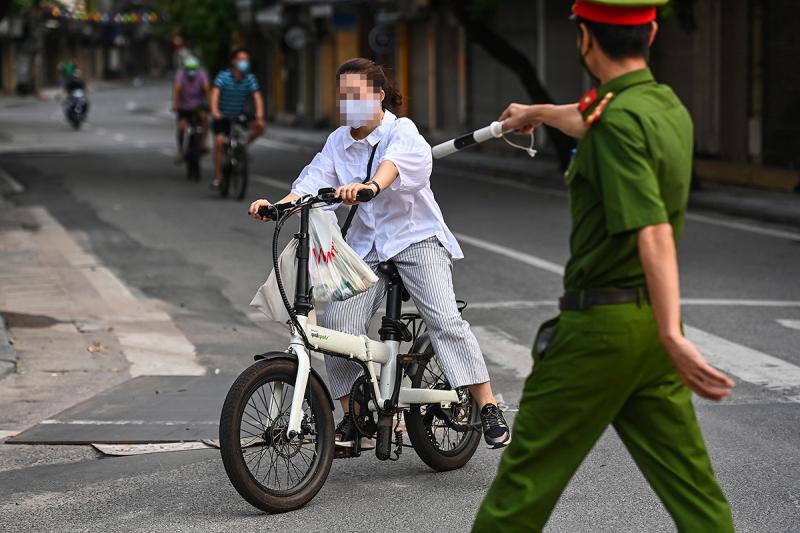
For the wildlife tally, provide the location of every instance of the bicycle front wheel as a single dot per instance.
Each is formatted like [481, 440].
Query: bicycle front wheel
[272, 472]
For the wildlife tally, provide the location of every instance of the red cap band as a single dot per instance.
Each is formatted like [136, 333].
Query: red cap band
[607, 14]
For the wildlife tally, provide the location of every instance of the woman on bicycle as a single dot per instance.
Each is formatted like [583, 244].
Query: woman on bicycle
[403, 224]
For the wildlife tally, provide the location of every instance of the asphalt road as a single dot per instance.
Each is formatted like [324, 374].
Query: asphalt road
[114, 185]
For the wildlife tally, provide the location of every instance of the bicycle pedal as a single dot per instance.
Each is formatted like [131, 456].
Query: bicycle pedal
[346, 452]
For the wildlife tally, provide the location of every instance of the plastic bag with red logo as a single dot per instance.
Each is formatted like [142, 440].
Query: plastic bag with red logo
[337, 272]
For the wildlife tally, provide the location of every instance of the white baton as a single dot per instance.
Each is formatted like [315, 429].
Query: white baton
[492, 131]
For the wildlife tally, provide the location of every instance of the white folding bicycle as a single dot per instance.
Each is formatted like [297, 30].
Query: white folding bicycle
[276, 427]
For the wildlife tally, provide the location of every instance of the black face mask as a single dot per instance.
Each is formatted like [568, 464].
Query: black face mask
[582, 61]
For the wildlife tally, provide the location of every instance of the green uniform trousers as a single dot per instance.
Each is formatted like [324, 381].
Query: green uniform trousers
[604, 366]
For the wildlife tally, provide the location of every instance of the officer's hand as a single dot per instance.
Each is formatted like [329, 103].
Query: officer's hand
[702, 378]
[253, 211]
[519, 118]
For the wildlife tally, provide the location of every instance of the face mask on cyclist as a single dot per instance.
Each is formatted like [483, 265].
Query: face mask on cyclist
[243, 65]
[358, 113]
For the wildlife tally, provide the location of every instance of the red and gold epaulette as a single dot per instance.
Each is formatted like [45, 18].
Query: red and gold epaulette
[595, 114]
[587, 100]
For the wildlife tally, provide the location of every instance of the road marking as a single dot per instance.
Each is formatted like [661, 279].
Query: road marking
[166, 151]
[51, 421]
[272, 182]
[746, 363]
[120, 137]
[101, 131]
[788, 323]
[744, 227]
[13, 185]
[522, 257]
[506, 182]
[693, 302]
[503, 350]
[514, 184]
[272, 143]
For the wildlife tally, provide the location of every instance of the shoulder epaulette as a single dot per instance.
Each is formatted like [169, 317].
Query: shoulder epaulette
[598, 111]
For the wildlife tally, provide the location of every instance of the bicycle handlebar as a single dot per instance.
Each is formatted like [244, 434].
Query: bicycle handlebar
[325, 196]
[492, 131]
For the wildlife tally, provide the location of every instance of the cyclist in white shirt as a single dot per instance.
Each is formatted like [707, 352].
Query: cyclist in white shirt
[403, 224]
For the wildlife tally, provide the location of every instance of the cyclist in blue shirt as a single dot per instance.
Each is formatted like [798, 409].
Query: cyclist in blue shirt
[232, 87]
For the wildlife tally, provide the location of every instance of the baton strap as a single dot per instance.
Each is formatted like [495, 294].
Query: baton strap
[349, 220]
[584, 300]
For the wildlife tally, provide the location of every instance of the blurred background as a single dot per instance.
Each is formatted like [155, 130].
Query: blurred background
[458, 63]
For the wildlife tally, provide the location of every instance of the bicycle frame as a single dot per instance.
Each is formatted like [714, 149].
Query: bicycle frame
[377, 358]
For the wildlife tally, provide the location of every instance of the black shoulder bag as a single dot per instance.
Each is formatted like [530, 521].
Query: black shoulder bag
[349, 220]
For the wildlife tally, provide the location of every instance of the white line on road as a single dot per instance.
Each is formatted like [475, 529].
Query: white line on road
[51, 421]
[744, 227]
[13, 185]
[694, 302]
[522, 257]
[280, 145]
[272, 182]
[788, 323]
[514, 184]
[504, 350]
[166, 151]
[748, 364]
[120, 137]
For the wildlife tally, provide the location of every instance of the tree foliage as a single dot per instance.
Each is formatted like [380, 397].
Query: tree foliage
[207, 26]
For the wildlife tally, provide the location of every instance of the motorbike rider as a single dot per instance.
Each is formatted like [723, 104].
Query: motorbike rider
[190, 96]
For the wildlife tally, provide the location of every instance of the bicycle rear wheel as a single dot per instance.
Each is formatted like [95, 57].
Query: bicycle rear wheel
[272, 472]
[239, 174]
[442, 438]
[227, 171]
[192, 157]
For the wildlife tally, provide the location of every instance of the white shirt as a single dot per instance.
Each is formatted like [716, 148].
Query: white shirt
[405, 213]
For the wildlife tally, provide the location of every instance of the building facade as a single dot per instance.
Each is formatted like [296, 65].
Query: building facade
[736, 71]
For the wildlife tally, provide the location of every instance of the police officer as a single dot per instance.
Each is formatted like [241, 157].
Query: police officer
[616, 354]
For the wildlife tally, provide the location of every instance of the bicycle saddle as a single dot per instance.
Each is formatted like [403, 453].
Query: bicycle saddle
[389, 269]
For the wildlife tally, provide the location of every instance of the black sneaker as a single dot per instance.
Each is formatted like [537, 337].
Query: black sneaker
[495, 430]
[345, 433]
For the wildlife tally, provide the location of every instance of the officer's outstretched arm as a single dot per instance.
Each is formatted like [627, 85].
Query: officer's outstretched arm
[524, 118]
[660, 262]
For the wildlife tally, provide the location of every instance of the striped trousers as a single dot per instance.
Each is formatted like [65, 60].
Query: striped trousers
[426, 270]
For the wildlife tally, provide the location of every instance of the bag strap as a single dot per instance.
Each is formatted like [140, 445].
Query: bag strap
[349, 220]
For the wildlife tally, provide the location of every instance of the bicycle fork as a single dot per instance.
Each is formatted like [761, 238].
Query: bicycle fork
[297, 346]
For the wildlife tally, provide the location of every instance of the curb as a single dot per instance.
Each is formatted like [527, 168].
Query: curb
[8, 355]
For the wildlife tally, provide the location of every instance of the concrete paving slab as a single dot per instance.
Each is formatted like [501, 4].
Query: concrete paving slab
[8, 355]
[146, 409]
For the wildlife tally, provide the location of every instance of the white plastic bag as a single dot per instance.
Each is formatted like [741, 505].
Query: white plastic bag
[268, 299]
[337, 272]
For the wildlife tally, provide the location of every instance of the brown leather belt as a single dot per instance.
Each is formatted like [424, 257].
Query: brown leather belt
[583, 300]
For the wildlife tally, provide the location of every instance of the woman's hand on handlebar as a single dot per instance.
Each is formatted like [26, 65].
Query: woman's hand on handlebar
[348, 193]
[520, 118]
[253, 211]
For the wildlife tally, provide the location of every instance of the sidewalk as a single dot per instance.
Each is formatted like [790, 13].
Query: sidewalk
[756, 204]
[77, 328]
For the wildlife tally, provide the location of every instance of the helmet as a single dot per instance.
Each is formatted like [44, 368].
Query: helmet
[191, 63]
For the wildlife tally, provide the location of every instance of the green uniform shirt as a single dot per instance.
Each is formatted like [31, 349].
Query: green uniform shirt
[631, 169]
